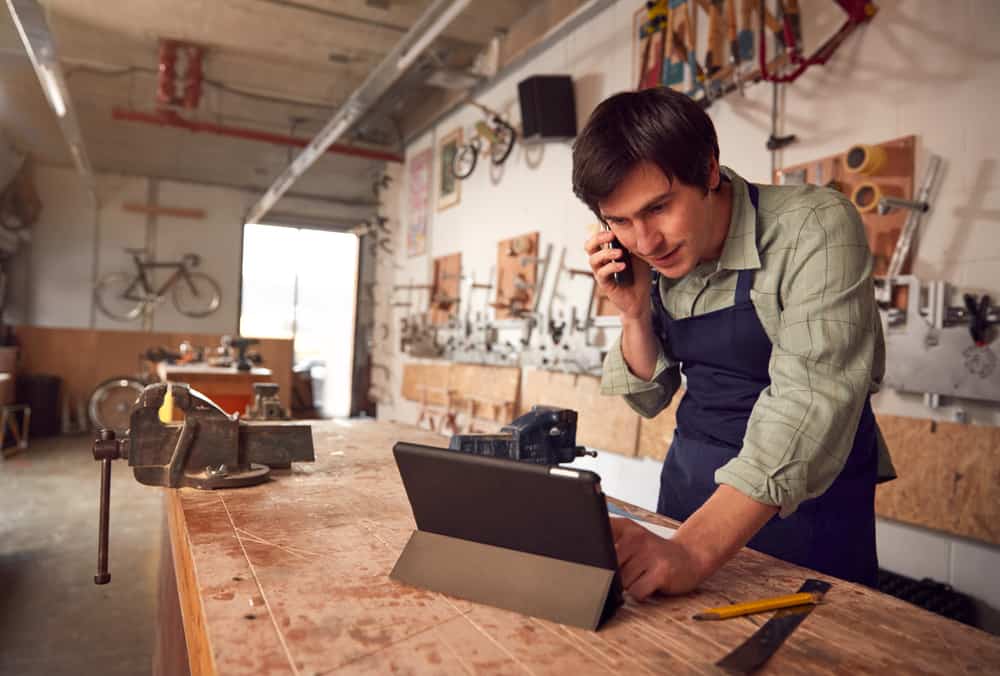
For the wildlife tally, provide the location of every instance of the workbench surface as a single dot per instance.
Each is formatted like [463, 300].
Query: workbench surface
[292, 578]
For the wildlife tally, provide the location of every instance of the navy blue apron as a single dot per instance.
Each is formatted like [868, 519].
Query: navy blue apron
[725, 356]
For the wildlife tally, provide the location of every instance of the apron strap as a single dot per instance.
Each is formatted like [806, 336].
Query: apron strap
[744, 281]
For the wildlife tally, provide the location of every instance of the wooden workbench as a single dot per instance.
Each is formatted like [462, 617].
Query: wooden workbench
[292, 578]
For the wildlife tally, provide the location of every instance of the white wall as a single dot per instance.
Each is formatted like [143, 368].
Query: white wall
[916, 69]
[72, 245]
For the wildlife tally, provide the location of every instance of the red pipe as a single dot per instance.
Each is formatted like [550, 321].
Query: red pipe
[172, 119]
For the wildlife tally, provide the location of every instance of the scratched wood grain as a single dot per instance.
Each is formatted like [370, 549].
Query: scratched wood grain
[292, 578]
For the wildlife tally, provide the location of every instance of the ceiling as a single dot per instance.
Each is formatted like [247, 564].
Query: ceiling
[277, 66]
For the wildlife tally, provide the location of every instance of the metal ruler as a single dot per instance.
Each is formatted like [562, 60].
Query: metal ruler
[763, 643]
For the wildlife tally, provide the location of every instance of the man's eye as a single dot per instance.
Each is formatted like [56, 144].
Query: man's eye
[657, 208]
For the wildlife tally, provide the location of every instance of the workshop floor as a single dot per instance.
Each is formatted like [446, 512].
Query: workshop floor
[53, 619]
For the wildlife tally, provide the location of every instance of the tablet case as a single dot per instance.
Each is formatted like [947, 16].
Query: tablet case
[530, 538]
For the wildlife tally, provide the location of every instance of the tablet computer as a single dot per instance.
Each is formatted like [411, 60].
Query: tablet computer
[554, 512]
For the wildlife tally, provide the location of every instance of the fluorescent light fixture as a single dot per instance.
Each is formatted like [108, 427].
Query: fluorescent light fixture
[52, 90]
[435, 29]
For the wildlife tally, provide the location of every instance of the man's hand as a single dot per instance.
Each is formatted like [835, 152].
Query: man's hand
[631, 301]
[649, 563]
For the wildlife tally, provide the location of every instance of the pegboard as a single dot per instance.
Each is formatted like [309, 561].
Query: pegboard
[517, 275]
[445, 288]
[894, 178]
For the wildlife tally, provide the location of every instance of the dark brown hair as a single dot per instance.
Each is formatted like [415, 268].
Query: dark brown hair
[658, 125]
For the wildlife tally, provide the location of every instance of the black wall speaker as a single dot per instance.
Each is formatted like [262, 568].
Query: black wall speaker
[548, 107]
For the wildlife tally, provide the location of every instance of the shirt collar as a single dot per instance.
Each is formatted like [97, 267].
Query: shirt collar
[739, 252]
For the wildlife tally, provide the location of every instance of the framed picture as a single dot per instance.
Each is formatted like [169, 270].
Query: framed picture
[420, 172]
[449, 187]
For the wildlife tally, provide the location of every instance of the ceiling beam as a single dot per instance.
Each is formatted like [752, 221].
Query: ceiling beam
[430, 24]
[29, 17]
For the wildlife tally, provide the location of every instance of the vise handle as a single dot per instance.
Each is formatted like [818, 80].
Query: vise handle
[106, 449]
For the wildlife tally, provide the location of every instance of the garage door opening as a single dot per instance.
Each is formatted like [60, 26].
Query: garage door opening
[302, 284]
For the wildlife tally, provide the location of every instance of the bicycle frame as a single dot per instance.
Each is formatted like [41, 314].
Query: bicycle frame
[180, 271]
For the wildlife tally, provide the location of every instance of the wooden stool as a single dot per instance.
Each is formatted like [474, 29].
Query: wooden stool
[8, 420]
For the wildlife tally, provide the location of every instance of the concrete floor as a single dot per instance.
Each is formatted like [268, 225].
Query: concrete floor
[53, 618]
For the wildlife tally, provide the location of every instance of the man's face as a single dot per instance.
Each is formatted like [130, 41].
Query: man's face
[665, 223]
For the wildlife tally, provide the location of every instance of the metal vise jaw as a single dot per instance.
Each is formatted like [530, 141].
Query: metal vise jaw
[209, 449]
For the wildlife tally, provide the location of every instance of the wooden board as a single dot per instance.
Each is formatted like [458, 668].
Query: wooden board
[486, 392]
[656, 434]
[426, 382]
[291, 577]
[895, 178]
[605, 423]
[445, 288]
[517, 274]
[948, 477]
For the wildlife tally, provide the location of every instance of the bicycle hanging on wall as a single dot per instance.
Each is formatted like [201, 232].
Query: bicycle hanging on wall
[124, 296]
[495, 132]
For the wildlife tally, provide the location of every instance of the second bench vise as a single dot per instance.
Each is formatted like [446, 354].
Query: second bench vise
[545, 435]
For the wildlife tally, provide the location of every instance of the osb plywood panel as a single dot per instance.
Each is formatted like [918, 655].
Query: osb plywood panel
[895, 178]
[489, 392]
[445, 288]
[426, 382]
[949, 475]
[656, 434]
[517, 274]
[293, 577]
[605, 423]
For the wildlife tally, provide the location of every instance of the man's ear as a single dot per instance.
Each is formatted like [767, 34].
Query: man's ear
[714, 174]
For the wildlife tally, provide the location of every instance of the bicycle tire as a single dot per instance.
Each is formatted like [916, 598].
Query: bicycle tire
[110, 404]
[506, 136]
[466, 155]
[197, 283]
[112, 288]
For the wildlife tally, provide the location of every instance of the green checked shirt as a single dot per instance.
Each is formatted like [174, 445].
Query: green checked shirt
[813, 293]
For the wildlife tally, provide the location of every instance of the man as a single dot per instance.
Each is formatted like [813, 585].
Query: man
[763, 296]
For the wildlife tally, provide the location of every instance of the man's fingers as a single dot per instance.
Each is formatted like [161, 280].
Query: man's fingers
[643, 587]
[598, 241]
[631, 572]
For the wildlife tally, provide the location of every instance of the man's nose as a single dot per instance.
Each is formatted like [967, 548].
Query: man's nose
[647, 238]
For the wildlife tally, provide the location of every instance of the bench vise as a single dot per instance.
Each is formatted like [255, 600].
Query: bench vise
[209, 449]
[545, 435]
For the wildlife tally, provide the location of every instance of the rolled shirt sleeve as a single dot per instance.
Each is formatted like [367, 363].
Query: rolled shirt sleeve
[802, 427]
[645, 397]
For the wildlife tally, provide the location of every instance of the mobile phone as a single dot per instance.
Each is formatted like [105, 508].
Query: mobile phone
[624, 276]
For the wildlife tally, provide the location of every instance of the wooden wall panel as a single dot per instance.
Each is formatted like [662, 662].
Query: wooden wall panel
[85, 357]
[949, 477]
[489, 392]
[606, 423]
[67, 353]
[426, 382]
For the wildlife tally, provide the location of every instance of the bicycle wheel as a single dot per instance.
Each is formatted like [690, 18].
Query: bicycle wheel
[109, 294]
[111, 403]
[198, 295]
[505, 136]
[464, 161]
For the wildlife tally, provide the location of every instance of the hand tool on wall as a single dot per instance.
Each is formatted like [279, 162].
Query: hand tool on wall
[544, 435]
[209, 449]
[883, 292]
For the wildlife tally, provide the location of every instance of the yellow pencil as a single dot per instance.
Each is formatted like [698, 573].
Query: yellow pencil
[738, 609]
